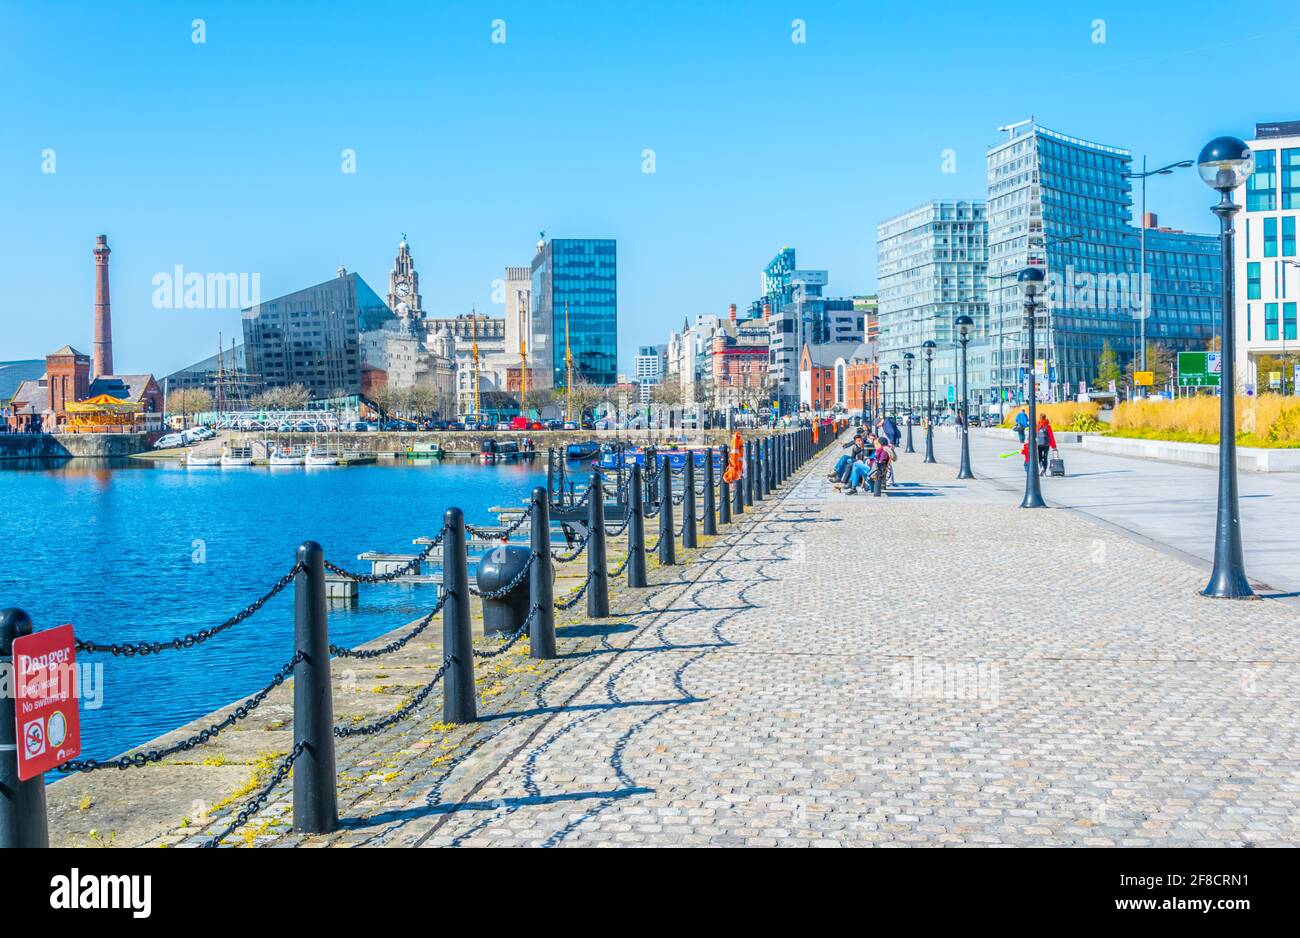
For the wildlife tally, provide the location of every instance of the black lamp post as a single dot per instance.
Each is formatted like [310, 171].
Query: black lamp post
[865, 418]
[1031, 281]
[929, 346]
[893, 393]
[1224, 164]
[964, 324]
[882, 395]
[910, 359]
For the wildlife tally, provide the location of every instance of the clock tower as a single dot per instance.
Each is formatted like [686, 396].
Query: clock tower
[404, 289]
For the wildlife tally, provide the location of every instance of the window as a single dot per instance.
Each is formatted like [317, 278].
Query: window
[1270, 322]
[1261, 187]
[1252, 281]
[1288, 236]
[1288, 322]
[1291, 178]
[1270, 237]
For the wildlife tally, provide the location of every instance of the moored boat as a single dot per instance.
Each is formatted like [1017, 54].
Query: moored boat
[237, 456]
[320, 457]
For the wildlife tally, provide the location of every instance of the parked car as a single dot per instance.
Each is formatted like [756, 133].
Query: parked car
[438, 425]
[205, 433]
[456, 426]
[170, 441]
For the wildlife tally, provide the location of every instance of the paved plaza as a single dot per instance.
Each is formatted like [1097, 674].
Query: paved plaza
[934, 667]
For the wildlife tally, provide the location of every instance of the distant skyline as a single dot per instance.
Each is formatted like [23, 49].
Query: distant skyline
[226, 156]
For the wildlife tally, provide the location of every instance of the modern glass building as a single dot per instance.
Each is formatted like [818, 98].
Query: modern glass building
[1066, 203]
[578, 276]
[311, 337]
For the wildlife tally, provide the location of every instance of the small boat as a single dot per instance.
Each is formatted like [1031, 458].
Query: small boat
[582, 451]
[487, 452]
[357, 457]
[286, 457]
[194, 458]
[237, 456]
[320, 457]
[428, 450]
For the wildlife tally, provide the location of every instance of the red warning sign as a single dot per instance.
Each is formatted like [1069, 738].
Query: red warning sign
[46, 705]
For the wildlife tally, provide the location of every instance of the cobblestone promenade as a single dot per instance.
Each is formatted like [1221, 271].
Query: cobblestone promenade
[934, 667]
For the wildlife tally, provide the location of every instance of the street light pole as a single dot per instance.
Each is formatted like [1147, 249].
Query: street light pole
[964, 324]
[1224, 164]
[929, 345]
[1031, 279]
[893, 393]
[910, 359]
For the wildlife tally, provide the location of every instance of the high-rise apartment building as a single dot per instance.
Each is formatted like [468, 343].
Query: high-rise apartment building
[1266, 262]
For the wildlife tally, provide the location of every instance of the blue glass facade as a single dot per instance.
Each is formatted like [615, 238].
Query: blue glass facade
[1066, 203]
[580, 276]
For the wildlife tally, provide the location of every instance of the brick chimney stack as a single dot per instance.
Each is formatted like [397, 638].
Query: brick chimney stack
[103, 363]
[733, 312]
[1149, 220]
[767, 311]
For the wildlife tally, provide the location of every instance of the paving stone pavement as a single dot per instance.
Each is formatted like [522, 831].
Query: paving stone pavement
[932, 667]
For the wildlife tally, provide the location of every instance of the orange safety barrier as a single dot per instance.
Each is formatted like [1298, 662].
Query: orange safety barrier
[736, 461]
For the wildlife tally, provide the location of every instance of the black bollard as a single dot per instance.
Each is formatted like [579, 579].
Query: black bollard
[315, 792]
[636, 531]
[760, 468]
[710, 495]
[689, 539]
[23, 819]
[667, 532]
[598, 588]
[458, 702]
[748, 477]
[724, 490]
[541, 582]
[738, 494]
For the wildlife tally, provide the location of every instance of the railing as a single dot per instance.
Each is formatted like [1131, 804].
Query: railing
[768, 463]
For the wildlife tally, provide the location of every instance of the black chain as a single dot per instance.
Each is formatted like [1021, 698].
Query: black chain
[569, 558]
[509, 587]
[514, 636]
[576, 597]
[648, 513]
[396, 643]
[342, 732]
[615, 532]
[500, 535]
[131, 649]
[651, 548]
[245, 813]
[141, 759]
[409, 567]
[617, 571]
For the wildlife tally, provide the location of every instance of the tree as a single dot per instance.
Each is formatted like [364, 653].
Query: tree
[582, 396]
[1159, 362]
[1108, 369]
[189, 401]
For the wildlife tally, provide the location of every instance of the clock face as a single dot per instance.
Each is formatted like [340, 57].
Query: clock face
[403, 289]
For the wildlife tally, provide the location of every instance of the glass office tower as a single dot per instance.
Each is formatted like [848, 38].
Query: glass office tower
[1066, 203]
[311, 337]
[579, 275]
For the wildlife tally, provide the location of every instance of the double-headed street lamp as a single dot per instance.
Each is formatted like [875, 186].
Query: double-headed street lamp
[1031, 281]
[964, 325]
[1144, 175]
[1224, 164]
[910, 359]
[929, 346]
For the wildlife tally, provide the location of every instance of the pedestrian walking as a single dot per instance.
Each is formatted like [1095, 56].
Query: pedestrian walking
[1022, 424]
[1044, 442]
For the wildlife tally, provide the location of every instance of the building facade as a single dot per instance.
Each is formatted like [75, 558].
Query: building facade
[574, 297]
[1066, 203]
[931, 266]
[312, 336]
[1266, 263]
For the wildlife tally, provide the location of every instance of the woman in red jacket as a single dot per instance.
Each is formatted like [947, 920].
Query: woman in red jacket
[1044, 442]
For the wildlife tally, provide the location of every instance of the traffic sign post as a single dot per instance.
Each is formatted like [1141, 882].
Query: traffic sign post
[1144, 379]
[1199, 369]
[22, 797]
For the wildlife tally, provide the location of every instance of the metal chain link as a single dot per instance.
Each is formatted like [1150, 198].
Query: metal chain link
[514, 636]
[141, 759]
[617, 571]
[131, 649]
[506, 590]
[573, 600]
[615, 532]
[343, 732]
[569, 558]
[502, 535]
[409, 567]
[247, 812]
[396, 643]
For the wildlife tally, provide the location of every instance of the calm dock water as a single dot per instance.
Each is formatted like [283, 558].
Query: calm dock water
[127, 550]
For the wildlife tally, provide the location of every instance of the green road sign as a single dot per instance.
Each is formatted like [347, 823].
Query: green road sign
[1199, 369]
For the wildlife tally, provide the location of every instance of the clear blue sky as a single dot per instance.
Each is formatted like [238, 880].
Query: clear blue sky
[226, 156]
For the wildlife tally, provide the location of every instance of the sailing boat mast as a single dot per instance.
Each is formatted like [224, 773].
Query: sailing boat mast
[221, 380]
[568, 364]
[523, 356]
